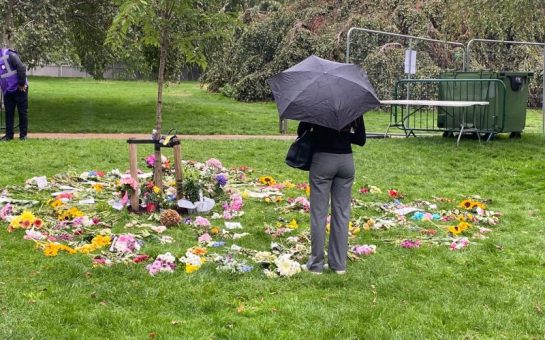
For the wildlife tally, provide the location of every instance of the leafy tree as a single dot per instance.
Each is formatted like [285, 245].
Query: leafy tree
[36, 28]
[187, 26]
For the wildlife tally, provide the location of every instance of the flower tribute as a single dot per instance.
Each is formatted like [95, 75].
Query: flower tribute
[66, 215]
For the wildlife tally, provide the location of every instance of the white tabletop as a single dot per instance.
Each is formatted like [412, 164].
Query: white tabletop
[448, 103]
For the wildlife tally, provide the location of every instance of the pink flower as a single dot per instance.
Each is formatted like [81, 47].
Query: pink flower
[484, 230]
[364, 249]
[150, 160]
[34, 235]
[410, 244]
[6, 211]
[459, 244]
[125, 243]
[201, 222]
[364, 190]
[131, 182]
[214, 163]
[204, 238]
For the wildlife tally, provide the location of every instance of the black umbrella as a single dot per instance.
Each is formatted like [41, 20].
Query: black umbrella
[323, 92]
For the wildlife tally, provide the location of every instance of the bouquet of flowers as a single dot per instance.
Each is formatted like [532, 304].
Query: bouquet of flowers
[151, 197]
[150, 162]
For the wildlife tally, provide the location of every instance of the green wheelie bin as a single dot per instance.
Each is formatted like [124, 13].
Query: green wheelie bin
[502, 115]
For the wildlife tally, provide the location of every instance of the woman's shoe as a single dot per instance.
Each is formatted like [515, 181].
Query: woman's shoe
[305, 269]
[339, 272]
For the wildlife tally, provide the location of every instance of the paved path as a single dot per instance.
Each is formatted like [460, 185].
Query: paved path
[125, 136]
[146, 136]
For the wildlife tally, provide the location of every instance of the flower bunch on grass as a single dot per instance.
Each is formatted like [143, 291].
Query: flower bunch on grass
[164, 263]
[193, 259]
[25, 220]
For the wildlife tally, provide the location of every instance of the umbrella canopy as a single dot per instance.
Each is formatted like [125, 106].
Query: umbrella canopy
[323, 92]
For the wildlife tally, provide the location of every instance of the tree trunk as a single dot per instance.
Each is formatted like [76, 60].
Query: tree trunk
[157, 168]
[7, 30]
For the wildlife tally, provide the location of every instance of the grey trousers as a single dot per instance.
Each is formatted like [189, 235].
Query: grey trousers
[331, 177]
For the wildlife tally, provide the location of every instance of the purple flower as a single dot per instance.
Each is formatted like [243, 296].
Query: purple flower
[221, 179]
[410, 244]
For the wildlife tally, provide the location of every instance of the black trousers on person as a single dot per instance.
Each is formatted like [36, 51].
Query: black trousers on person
[12, 100]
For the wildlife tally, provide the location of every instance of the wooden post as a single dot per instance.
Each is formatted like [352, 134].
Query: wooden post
[178, 171]
[133, 159]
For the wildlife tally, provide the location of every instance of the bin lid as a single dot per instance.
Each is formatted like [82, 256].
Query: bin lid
[516, 73]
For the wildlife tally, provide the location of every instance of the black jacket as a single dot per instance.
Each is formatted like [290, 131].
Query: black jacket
[333, 141]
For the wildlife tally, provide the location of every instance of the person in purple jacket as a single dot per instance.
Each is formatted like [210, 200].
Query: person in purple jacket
[14, 87]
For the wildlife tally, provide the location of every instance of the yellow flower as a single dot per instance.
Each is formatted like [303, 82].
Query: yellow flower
[307, 190]
[293, 224]
[245, 194]
[15, 222]
[56, 203]
[98, 187]
[101, 241]
[156, 189]
[214, 230]
[454, 230]
[466, 204]
[67, 249]
[51, 249]
[190, 268]
[28, 216]
[463, 226]
[86, 248]
[288, 184]
[267, 180]
[354, 230]
[478, 205]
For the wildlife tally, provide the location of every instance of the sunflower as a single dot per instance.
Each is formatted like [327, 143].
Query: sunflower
[463, 225]
[454, 230]
[267, 180]
[466, 204]
[478, 205]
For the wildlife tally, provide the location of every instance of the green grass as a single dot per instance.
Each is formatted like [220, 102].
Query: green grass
[86, 105]
[494, 289]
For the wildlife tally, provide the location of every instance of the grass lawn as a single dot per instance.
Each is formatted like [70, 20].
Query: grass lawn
[492, 289]
[86, 105]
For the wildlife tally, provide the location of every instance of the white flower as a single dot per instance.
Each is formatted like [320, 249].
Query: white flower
[159, 229]
[167, 257]
[264, 256]
[191, 259]
[287, 267]
[270, 274]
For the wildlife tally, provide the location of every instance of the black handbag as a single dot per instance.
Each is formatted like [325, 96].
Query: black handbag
[300, 152]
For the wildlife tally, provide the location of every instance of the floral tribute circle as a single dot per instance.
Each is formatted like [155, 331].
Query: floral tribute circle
[84, 215]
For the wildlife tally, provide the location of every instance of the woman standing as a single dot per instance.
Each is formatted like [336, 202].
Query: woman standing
[331, 176]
